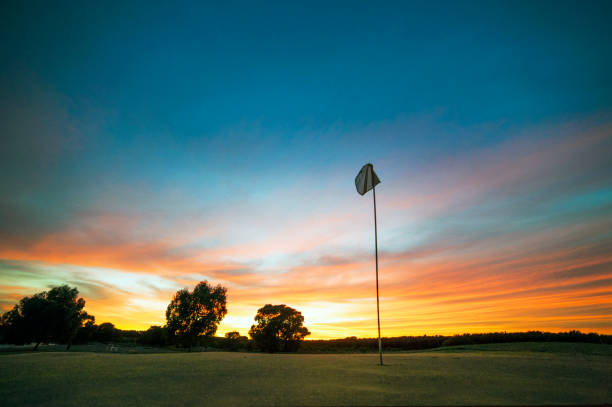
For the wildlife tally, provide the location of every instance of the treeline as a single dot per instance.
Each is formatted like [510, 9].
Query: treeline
[405, 343]
[157, 336]
[105, 333]
[192, 318]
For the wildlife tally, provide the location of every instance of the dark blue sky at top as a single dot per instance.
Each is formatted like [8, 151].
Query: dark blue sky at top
[198, 69]
[160, 93]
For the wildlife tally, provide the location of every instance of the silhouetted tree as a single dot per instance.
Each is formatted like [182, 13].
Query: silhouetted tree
[13, 328]
[154, 336]
[233, 341]
[67, 313]
[106, 333]
[87, 332]
[279, 328]
[53, 315]
[195, 314]
[232, 335]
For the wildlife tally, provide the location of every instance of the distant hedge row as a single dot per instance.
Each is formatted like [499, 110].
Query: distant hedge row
[156, 337]
[353, 344]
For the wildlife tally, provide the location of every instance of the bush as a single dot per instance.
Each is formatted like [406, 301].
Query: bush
[154, 336]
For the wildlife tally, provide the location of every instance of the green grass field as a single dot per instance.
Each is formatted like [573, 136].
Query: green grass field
[497, 374]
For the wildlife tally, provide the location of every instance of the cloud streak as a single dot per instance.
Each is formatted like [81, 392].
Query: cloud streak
[514, 236]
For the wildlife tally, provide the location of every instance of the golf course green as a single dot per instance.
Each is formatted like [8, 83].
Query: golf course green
[499, 374]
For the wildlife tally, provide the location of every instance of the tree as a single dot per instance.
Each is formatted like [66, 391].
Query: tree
[67, 313]
[279, 328]
[55, 315]
[154, 336]
[233, 341]
[32, 320]
[233, 335]
[87, 332]
[13, 329]
[195, 314]
[106, 333]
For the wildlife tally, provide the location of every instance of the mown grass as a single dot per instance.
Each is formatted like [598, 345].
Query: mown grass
[496, 374]
[549, 347]
[92, 347]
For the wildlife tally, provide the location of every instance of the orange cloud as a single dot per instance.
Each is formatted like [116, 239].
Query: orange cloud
[480, 243]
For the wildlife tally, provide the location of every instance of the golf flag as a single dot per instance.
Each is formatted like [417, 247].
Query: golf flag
[366, 179]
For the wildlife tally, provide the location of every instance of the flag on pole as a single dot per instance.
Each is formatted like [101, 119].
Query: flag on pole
[366, 179]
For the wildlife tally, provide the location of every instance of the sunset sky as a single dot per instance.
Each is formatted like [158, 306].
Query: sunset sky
[145, 148]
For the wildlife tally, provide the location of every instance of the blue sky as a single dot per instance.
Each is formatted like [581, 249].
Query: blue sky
[238, 129]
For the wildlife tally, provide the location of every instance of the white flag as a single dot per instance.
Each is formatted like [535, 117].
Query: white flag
[366, 179]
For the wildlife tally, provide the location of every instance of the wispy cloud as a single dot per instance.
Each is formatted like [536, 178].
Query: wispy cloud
[511, 236]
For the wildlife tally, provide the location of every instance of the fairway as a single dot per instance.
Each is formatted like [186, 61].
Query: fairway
[496, 374]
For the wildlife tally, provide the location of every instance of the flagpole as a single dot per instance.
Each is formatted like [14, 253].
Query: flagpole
[377, 301]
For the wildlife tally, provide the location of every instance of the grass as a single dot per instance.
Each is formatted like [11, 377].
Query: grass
[549, 347]
[496, 374]
[93, 347]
